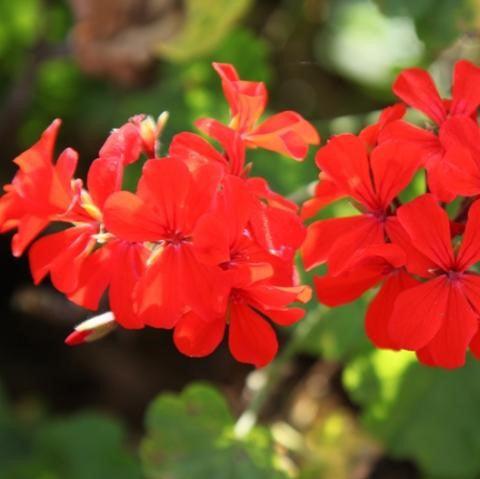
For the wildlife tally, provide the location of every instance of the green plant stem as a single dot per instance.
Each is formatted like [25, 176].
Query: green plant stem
[273, 373]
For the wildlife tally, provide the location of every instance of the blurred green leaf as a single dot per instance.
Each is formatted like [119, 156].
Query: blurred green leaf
[83, 446]
[191, 436]
[207, 22]
[438, 22]
[428, 415]
[379, 44]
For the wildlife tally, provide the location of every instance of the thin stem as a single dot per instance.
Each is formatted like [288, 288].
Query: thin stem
[272, 375]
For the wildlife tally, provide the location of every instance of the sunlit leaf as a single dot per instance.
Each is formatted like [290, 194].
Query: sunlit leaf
[191, 436]
[206, 23]
[427, 415]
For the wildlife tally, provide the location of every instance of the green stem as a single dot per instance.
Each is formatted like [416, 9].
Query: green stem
[272, 375]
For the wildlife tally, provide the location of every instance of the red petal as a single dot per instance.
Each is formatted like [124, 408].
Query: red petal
[42, 152]
[326, 192]
[65, 270]
[194, 150]
[393, 165]
[160, 292]
[400, 130]
[428, 227]
[260, 187]
[381, 258]
[251, 339]
[337, 290]
[469, 252]
[322, 236]
[278, 231]
[371, 134]
[105, 177]
[175, 283]
[50, 248]
[275, 297]
[211, 240]
[287, 133]
[93, 279]
[370, 232]
[448, 348]
[229, 139]
[130, 218]
[345, 160]
[29, 228]
[471, 288]
[165, 184]
[236, 203]
[246, 99]
[416, 88]
[459, 168]
[381, 307]
[465, 89]
[416, 262]
[285, 317]
[123, 146]
[77, 337]
[418, 314]
[226, 71]
[129, 265]
[66, 166]
[197, 337]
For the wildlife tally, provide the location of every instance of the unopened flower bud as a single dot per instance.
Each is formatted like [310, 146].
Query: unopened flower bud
[92, 329]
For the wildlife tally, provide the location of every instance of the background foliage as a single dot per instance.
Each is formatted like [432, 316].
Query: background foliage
[338, 408]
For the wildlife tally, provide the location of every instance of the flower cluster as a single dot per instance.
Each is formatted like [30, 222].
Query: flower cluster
[200, 245]
[421, 253]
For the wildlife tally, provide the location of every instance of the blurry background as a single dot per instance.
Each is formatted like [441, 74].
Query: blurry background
[342, 410]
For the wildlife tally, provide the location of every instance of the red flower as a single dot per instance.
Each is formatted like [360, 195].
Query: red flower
[287, 133]
[256, 286]
[438, 318]
[252, 300]
[327, 190]
[417, 89]
[274, 220]
[84, 260]
[170, 200]
[40, 191]
[372, 180]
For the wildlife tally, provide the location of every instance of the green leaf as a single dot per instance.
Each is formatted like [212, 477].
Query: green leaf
[428, 415]
[85, 446]
[379, 44]
[191, 436]
[438, 22]
[207, 22]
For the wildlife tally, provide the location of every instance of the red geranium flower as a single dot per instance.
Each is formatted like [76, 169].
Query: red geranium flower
[40, 192]
[83, 260]
[372, 179]
[170, 200]
[416, 88]
[274, 220]
[327, 190]
[287, 133]
[438, 318]
[256, 285]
